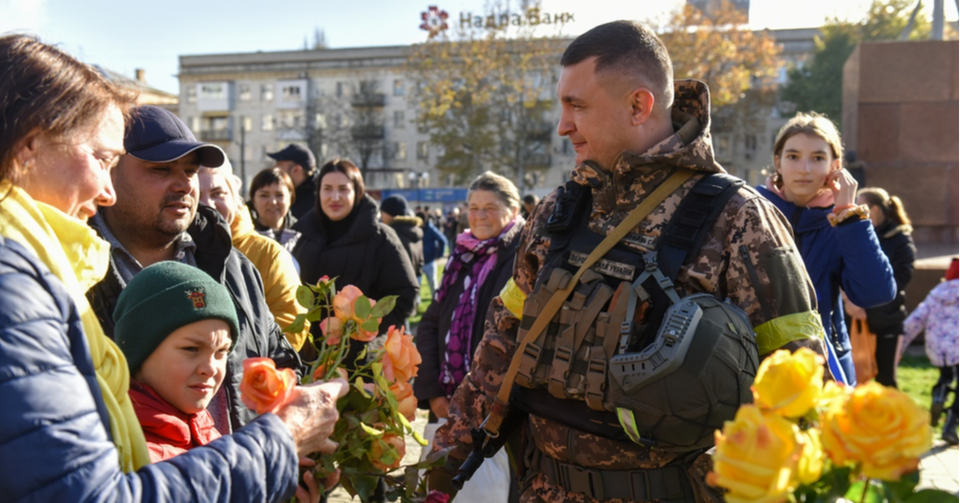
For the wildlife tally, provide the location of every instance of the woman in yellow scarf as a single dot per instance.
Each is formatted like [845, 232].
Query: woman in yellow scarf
[68, 431]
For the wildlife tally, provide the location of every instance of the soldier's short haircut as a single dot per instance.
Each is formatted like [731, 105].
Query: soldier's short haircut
[629, 48]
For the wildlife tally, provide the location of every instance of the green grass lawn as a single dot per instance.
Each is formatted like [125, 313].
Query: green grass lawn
[916, 377]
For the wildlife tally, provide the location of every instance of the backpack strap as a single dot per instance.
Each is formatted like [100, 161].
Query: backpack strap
[693, 219]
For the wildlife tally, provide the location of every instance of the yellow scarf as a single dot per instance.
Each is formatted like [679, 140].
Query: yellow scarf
[79, 258]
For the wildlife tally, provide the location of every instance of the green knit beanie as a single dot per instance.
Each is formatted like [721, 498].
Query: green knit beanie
[162, 298]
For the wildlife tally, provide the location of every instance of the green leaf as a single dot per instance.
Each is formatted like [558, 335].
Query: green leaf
[384, 306]
[297, 325]
[874, 492]
[316, 314]
[359, 387]
[305, 296]
[902, 489]
[419, 438]
[932, 496]
[371, 325]
[370, 430]
[365, 486]
[361, 307]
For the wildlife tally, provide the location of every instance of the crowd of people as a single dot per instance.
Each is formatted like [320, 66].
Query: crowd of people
[136, 276]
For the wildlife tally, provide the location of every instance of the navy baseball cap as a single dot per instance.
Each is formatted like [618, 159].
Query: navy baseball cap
[155, 134]
[296, 154]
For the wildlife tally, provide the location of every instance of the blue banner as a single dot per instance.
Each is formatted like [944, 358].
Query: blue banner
[428, 195]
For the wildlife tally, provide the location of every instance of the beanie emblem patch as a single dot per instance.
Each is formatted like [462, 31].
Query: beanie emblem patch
[198, 296]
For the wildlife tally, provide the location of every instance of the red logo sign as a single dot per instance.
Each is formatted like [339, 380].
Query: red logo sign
[434, 20]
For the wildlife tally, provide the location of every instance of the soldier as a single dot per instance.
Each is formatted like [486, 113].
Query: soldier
[632, 127]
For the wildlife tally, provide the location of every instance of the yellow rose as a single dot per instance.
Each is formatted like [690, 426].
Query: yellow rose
[810, 466]
[833, 395]
[788, 384]
[755, 457]
[880, 428]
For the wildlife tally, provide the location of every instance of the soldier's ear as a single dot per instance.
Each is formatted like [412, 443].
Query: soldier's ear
[641, 104]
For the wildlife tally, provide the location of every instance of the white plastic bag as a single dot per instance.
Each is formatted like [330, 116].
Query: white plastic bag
[490, 483]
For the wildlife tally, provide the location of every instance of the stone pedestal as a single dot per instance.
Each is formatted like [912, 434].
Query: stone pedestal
[900, 114]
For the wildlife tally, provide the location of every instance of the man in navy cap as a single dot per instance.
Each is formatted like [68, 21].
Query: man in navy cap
[157, 217]
[298, 162]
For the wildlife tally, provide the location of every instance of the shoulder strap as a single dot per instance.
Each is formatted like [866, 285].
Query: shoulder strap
[493, 421]
[693, 220]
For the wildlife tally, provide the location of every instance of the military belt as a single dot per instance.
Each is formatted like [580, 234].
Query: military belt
[668, 484]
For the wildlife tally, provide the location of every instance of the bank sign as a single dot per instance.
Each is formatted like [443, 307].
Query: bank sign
[434, 20]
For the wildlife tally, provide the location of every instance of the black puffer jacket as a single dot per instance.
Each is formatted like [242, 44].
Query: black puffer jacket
[369, 256]
[410, 232]
[897, 245]
[433, 328]
[260, 335]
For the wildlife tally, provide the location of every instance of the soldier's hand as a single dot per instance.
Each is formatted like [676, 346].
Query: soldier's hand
[440, 406]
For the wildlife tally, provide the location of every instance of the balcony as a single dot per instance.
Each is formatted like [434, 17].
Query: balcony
[369, 100]
[216, 135]
[367, 132]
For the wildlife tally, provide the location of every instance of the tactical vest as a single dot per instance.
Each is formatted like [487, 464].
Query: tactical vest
[626, 358]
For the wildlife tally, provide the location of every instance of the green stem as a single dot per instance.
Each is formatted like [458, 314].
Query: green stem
[866, 486]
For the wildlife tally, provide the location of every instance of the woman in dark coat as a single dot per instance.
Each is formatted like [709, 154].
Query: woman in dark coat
[478, 268]
[343, 237]
[892, 225]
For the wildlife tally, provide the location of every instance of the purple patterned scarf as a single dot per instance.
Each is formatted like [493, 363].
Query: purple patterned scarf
[480, 257]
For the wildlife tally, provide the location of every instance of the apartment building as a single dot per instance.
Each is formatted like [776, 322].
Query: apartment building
[254, 103]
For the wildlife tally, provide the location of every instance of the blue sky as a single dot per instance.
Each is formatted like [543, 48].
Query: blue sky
[124, 35]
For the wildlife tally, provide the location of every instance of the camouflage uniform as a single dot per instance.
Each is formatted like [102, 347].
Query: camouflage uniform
[748, 257]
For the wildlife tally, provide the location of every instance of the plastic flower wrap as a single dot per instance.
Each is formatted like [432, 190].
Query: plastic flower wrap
[860, 444]
[376, 412]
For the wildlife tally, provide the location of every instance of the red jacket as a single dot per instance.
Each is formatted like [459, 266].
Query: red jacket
[169, 431]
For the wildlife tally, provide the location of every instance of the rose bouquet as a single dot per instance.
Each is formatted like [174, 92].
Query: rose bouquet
[375, 414]
[805, 441]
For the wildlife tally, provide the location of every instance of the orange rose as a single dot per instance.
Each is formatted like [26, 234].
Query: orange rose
[387, 452]
[322, 371]
[332, 329]
[406, 402]
[401, 357]
[265, 388]
[880, 428]
[344, 307]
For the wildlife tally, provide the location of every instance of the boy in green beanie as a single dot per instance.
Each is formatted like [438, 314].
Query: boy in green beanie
[176, 326]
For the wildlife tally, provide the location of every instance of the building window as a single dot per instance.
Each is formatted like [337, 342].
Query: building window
[423, 150]
[290, 93]
[266, 92]
[246, 123]
[320, 121]
[266, 122]
[399, 87]
[340, 89]
[212, 91]
[398, 119]
[401, 151]
[243, 91]
[191, 94]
